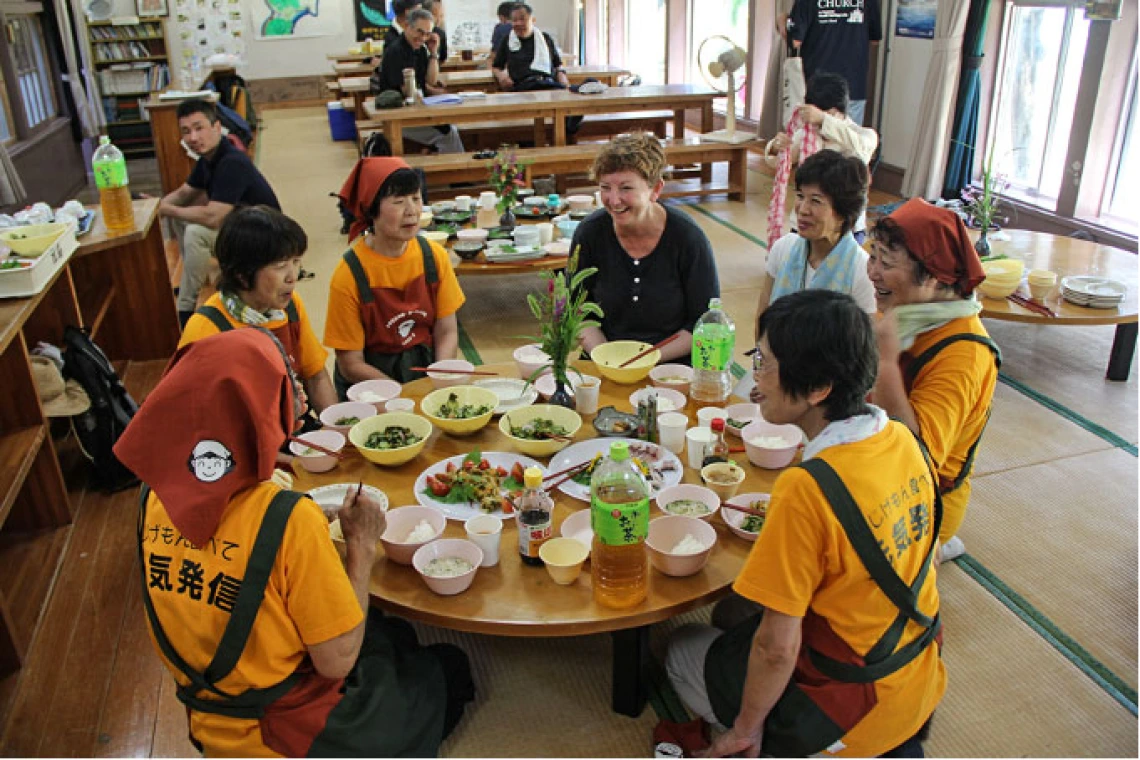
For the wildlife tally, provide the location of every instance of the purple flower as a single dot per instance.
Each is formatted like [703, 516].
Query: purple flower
[559, 307]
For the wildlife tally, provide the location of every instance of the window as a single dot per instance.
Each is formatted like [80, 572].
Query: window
[709, 18]
[1043, 52]
[1117, 210]
[33, 74]
[5, 113]
[645, 39]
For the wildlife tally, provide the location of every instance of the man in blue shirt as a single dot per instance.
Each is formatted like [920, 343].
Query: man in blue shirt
[837, 36]
[503, 28]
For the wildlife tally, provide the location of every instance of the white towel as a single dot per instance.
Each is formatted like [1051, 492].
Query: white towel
[541, 60]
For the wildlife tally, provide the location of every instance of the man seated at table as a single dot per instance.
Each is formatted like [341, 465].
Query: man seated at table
[521, 63]
[418, 48]
[503, 28]
[223, 178]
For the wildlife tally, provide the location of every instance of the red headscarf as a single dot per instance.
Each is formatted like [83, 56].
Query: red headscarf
[937, 237]
[363, 183]
[211, 427]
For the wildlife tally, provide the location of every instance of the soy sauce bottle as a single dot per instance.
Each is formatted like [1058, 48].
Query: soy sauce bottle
[717, 449]
[535, 517]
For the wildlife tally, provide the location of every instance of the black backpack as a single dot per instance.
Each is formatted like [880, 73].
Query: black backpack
[112, 408]
[376, 144]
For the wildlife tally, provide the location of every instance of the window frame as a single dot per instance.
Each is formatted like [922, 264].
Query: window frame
[11, 93]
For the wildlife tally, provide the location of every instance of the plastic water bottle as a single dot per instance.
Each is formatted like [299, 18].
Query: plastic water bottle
[713, 341]
[619, 516]
[114, 192]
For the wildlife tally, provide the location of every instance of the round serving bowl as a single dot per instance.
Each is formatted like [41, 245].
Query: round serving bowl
[465, 395]
[441, 548]
[723, 478]
[359, 433]
[1002, 277]
[332, 415]
[30, 241]
[436, 236]
[688, 492]
[735, 520]
[474, 235]
[568, 419]
[441, 378]
[546, 385]
[770, 457]
[668, 400]
[375, 392]
[400, 523]
[317, 461]
[608, 356]
[580, 202]
[664, 535]
[563, 558]
[530, 359]
[745, 413]
[675, 377]
[468, 250]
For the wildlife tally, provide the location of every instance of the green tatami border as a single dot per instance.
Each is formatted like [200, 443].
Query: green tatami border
[1072, 416]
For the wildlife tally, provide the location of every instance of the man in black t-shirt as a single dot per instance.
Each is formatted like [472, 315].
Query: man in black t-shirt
[223, 178]
[528, 59]
[838, 37]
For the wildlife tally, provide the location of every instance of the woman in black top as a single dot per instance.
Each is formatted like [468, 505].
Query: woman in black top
[656, 271]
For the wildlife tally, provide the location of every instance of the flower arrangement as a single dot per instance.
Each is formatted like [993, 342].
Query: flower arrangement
[563, 313]
[506, 177]
[982, 205]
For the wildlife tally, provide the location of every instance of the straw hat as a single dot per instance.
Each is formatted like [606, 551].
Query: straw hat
[59, 399]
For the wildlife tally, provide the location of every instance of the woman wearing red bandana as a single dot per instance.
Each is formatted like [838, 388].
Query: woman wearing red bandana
[394, 296]
[938, 366]
[260, 624]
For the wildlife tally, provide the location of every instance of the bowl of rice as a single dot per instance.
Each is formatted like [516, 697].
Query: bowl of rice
[679, 546]
[770, 446]
[408, 529]
[375, 392]
[448, 565]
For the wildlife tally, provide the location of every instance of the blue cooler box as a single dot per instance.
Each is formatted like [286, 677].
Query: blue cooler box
[342, 123]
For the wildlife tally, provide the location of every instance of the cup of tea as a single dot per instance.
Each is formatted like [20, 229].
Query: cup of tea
[467, 54]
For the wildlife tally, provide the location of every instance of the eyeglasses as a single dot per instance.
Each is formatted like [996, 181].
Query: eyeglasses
[758, 363]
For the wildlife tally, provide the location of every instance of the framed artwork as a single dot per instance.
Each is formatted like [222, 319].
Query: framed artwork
[151, 8]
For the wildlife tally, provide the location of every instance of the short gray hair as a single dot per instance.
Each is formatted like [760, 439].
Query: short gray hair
[418, 15]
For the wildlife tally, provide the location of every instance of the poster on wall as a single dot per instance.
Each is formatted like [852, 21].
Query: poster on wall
[916, 19]
[469, 23]
[373, 17]
[205, 28]
[291, 19]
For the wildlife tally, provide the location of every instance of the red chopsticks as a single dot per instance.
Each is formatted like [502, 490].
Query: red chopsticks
[317, 447]
[649, 350]
[1033, 306]
[745, 510]
[454, 371]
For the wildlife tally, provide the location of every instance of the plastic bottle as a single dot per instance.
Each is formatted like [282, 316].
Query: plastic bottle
[619, 516]
[717, 449]
[535, 516]
[713, 341]
[114, 193]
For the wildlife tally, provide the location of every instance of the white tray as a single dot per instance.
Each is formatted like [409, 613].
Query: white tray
[30, 280]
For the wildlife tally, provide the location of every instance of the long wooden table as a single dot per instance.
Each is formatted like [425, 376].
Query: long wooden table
[513, 599]
[1069, 256]
[554, 105]
[484, 80]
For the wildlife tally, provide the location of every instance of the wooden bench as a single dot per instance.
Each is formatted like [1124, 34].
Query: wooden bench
[448, 168]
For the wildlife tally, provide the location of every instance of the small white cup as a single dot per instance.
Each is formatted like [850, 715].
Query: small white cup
[545, 232]
[672, 427]
[487, 200]
[708, 414]
[463, 202]
[696, 441]
[400, 405]
[586, 391]
[486, 532]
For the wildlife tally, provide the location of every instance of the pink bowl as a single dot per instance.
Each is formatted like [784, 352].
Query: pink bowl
[448, 547]
[771, 458]
[546, 385]
[734, 520]
[666, 532]
[383, 390]
[318, 461]
[401, 521]
[689, 491]
[359, 409]
[441, 378]
[740, 413]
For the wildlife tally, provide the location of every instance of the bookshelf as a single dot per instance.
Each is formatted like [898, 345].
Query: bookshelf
[131, 62]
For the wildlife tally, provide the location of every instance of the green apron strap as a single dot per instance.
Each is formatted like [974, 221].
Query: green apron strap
[363, 287]
[291, 312]
[215, 315]
[431, 271]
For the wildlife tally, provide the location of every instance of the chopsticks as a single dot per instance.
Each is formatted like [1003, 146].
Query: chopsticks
[745, 510]
[1033, 306]
[317, 447]
[569, 472]
[454, 371]
[649, 350]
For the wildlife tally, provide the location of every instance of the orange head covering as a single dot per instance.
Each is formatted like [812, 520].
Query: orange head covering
[937, 237]
[211, 427]
[363, 183]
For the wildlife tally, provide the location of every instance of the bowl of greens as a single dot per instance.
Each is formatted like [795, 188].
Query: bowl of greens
[461, 409]
[540, 430]
[745, 525]
[341, 417]
[390, 439]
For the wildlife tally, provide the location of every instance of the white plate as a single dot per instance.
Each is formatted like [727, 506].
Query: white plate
[469, 94]
[512, 393]
[467, 511]
[330, 498]
[583, 451]
[1094, 287]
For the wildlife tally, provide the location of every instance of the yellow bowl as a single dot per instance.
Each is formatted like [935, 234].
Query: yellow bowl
[32, 240]
[997, 291]
[563, 558]
[359, 433]
[465, 394]
[723, 479]
[436, 236]
[609, 355]
[559, 415]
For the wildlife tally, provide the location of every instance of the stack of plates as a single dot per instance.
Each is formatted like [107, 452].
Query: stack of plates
[1093, 292]
[499, 254]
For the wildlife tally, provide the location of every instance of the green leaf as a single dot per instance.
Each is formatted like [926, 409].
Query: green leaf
[475, 456]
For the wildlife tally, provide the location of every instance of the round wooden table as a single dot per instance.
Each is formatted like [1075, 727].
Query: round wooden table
[514, 599]
[1069, 256]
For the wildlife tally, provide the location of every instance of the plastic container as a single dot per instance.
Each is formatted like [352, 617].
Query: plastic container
[342, 123]
[713, 341]
[619, 517]
[535, 515]
[114, 189]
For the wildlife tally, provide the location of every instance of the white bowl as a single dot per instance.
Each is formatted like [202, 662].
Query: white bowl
[538, 201]
[448, 547]
[318, 461]
[734, 520]
[400, 405]
[706, 415]
[346, 410]
[741, 413]
[476, 235]
[668, 400]
[375, 392]
[577, 526]
[546, 385]
[692, 492]
[580, 202]
[557, 248]
[441, 378]
[530, 359]
[666, 532]
[435, 236]
[771, 457]
[666, 376]
[401, 522]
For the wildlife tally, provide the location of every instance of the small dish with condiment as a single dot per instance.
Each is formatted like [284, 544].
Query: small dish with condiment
[612, 423]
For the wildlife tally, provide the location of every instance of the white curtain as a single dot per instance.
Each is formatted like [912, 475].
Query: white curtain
[79, 79]
[927, 165]
[770, 121]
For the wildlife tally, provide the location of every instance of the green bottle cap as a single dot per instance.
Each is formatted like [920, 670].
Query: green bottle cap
[619, 451]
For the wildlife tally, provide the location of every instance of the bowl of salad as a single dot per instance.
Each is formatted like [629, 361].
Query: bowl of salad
[540, 430]
[341, 417]
[460, 410]
[390, 439]
[745, 525]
